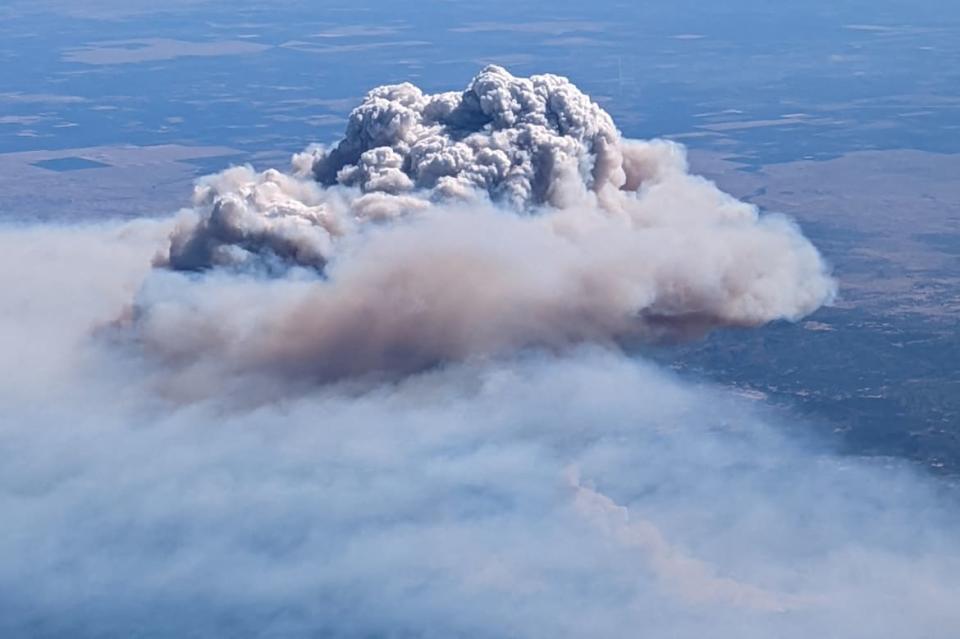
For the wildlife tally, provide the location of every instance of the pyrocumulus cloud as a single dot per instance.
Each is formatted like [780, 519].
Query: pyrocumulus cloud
[389, 394]
[442, 227]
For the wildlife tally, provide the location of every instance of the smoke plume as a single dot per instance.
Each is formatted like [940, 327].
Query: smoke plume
[443, 227]
[392, 396]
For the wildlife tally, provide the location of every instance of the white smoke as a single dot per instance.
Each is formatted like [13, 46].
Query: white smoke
[467, 224]
[517, 139]
[583, 495]
[398, 405]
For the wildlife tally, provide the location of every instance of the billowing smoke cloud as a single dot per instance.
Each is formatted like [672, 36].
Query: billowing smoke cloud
[389, 397]
[527, 141]
[449, 226]
[583, 495]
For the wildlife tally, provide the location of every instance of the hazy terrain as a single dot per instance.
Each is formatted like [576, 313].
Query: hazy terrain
[843, 115]
[495, 361]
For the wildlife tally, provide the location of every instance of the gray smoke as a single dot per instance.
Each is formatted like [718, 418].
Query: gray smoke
[534, 495]
[386, 396]
[450, 226]
[520, 140]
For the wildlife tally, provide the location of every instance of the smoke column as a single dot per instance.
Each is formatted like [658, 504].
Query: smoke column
[390, 394]
[443, 227]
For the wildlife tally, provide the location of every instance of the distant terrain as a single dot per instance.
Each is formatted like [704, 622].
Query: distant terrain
[879, 368]
[844, 116]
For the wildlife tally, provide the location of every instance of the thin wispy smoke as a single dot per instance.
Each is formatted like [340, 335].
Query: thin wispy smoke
[316, 406]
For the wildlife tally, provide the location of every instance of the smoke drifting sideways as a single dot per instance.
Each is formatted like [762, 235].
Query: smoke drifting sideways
[444, 227]
[581, 494]
[249, 435]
